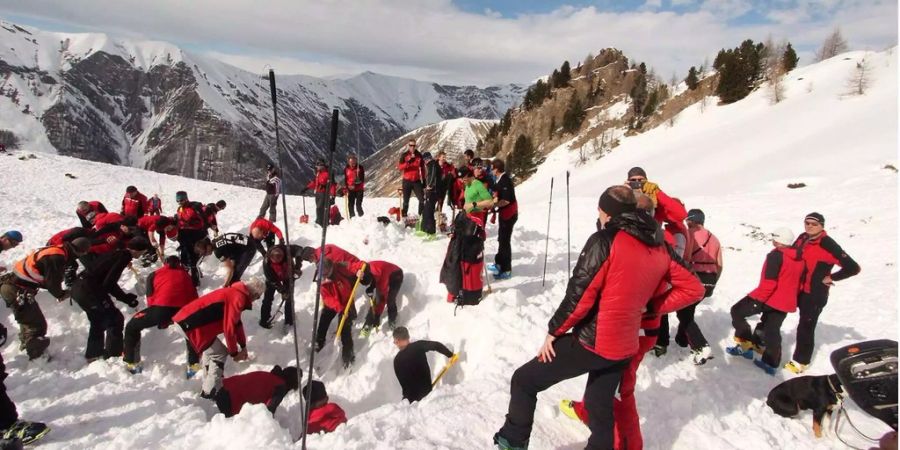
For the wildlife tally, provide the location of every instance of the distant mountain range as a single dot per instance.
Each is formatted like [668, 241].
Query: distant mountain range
[153, 105]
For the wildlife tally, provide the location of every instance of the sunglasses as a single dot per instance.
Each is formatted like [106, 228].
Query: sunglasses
[639, 180]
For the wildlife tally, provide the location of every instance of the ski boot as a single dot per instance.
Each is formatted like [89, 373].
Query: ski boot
[741, 348]
[365, 331]
[659, 350]
[348, 360]
[26, 431]
[134, 368]
[765, 367]
[503, 444]
[503, 276]
[192, 369]
[701, 356]
[265, 324]
[795, 367]
[493, 269]
[568, 408]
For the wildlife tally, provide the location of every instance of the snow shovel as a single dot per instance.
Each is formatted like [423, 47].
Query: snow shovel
[304, 218]
[347, 204]
[340, 328]
[447, 367]
[400, 207]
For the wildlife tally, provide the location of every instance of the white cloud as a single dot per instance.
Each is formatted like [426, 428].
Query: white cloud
[435, 40]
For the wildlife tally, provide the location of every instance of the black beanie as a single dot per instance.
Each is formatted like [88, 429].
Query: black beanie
[696, 216]
[817, 217]
[637, 171]
[614, 207]
[318, 392]
[289, 374]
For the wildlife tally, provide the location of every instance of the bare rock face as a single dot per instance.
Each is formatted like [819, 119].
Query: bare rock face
[153, 106]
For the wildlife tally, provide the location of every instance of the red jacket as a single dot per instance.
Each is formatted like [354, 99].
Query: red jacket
[68, 235]
[325, 418]
[88, 218]
[669, 210]
[108, 235]
[171, 288]
[342, 258]
[779, 283]
[820, 256]
[267, 226]
[319, 182]
[251, 388]
[411, 166]
[134, 206]
[218, 312]
[190, 217]
[381, 271]
[617, 273]
[336, 291]
[148, 224]
[355, 178]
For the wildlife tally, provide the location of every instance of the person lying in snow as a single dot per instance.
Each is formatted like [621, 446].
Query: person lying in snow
[255, 388]
[324, 417]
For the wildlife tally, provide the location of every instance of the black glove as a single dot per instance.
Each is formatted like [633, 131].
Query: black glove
[2, 335]
[304, 191]
[130, 300]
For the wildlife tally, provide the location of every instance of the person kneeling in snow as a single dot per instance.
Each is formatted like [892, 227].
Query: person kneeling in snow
[91, 291]
[278, 278]
[218, 312]
[255, 388]
[411, 364]
[775, 296]
[383, 280]
[323, 416]
[604, 310]
[169, 289]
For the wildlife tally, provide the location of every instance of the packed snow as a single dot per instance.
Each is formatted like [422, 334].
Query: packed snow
[732, 161]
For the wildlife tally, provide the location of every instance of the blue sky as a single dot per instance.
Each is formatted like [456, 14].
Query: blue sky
[464, 41]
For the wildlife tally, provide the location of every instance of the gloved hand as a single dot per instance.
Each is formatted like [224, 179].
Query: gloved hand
[131, 300]
[65, 296]
[2, 335]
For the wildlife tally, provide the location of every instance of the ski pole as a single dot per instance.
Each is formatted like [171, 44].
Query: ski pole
[447, 367]
[568, 230]
[349, 304]
[547, 239]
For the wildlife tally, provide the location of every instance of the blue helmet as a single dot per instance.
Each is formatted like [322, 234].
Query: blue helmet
[13, 235]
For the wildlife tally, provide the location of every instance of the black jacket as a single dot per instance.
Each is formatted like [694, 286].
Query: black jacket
[102, 272]
[271, 278]
[433, 179]
[412, 370]
[465, 246]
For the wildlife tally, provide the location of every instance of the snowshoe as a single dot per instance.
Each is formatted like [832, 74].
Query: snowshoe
[428, 237]
[134, 368]
[659, 350]
[795, 367]
[493, 269]
[192, 369]
[503, 444]
[365, 332]
[568, 408]
[765, 367]
[701, 356]
[503, 276]
[26, 431]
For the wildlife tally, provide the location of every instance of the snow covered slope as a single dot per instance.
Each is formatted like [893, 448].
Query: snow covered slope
[153, 105]
[733, 162]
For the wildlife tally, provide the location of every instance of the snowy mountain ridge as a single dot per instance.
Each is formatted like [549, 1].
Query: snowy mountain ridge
[142, 103]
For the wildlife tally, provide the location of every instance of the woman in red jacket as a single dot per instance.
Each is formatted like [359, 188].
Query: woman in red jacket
[774, 297]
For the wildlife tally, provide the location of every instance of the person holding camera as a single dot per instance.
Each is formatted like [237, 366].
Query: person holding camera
[412, 167]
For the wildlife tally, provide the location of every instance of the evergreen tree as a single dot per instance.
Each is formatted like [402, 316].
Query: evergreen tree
[565, 74]
[692, 80]
[523, 160]
[740, 70]
[652, 103]
[639, 94]
[505, 122]
[790, 59]
[554, 79]
[552, 129]
[573, 116]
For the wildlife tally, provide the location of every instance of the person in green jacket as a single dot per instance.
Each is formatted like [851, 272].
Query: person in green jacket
[478, 201]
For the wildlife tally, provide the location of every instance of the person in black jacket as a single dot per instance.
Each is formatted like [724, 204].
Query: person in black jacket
[275, 268]
[13, 430]
[432, 193]
[91, 291]
[505, 194]
[411, 364]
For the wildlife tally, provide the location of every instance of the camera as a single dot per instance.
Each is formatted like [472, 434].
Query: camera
[635, 184]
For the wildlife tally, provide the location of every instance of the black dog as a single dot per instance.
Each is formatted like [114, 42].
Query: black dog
[817, 393]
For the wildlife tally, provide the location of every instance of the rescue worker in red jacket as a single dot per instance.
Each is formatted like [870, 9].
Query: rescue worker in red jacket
[218, 312]
[263, 230]
[169, 288]
[154, 205]
[134, 203]
[87, 212]
[92, 290]
[111, 231]
[384, 281]
[254, 388]
[820, 253]
[319, 186]
[666, 209]
[43, 268]
[774, 298]
[191, 229]
[324, 417]
[68, 235]
[604, 308]
[339, 256]
[337, 283]
[355, 183]
[156, 229]
[209, 214]
[412, 170]
[279, 279]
